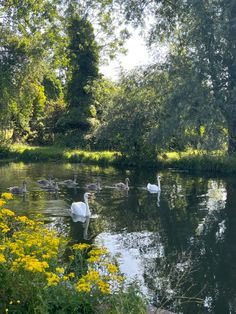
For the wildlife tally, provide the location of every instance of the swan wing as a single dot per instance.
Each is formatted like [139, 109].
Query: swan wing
[91, 186]
[78, 208]
[152, 187]
[120, 185]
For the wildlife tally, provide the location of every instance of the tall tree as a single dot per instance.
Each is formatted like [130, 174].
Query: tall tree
[83, 55]
[206, 32]
[28, 31]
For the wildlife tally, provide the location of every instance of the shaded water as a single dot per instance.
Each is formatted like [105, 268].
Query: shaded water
[181, 247]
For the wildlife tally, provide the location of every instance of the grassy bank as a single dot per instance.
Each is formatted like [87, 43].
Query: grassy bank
[43, 272]
[217, 162]
[193, 160]
[52, 153]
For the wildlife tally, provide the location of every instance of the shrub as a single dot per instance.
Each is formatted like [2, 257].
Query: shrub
[41, 273]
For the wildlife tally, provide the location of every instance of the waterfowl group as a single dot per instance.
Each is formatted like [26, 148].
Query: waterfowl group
[82, 208]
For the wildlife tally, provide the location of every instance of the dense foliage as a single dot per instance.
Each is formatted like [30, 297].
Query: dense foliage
[51, 90]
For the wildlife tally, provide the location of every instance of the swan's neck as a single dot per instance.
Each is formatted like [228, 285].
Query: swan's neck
[24, 187]
[87, 207]
[159, 182]
[127, 184]
[85, 234]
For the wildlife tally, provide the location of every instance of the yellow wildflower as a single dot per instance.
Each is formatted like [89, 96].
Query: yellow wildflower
[7, 196]
[60, 270]
[118, 278]
[92, 275]
[104, 287]
[81, 246]
[2, 258]
[93, 259]
[30, 263]
[112, 268]
[4, 227]
[71, 275]
[2, 202]
[53, 279]
[7, 212]
[71, 257]
[98, 251]
[26, 220]
[46, 256]
[83, 286]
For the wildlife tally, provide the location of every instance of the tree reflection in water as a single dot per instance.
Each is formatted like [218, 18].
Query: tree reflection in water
[181, 247]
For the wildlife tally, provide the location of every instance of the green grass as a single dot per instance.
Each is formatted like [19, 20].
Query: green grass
[215, 161]
[53, 153]
[195, 160]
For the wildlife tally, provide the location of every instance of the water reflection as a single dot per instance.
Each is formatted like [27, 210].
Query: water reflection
[179, 243]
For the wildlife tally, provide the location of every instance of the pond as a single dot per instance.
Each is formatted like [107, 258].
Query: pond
[179, 244]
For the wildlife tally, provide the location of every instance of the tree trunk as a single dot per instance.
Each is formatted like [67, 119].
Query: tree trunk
[232, 135]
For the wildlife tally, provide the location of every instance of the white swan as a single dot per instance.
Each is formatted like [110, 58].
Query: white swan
[153, 188]
[81, 208]
[94, 186]
[17, 189]
[70, 183]
[123, 186]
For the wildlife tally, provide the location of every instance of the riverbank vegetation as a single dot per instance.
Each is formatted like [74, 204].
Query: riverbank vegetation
[42, 272]
[53, 94]
[193, 160]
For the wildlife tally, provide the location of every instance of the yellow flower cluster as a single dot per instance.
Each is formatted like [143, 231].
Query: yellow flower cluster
[7, 212]
[29, 263]
[25, 220]
[2, 202]
[112, 268]
[93, 259]
[98, 251]
[81, 246]
[7, 196]
[52, 278]
[34, 250]
[2, 258]
[104, 287]
[60, 270]
[4, 227]
[91, 280]
[82, 286]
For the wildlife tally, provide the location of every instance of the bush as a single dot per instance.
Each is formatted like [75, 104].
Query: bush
[41, 273]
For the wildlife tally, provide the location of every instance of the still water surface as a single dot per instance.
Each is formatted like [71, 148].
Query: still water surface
[180, 245]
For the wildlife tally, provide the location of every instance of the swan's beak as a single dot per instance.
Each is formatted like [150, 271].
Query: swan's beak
[90, 195]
